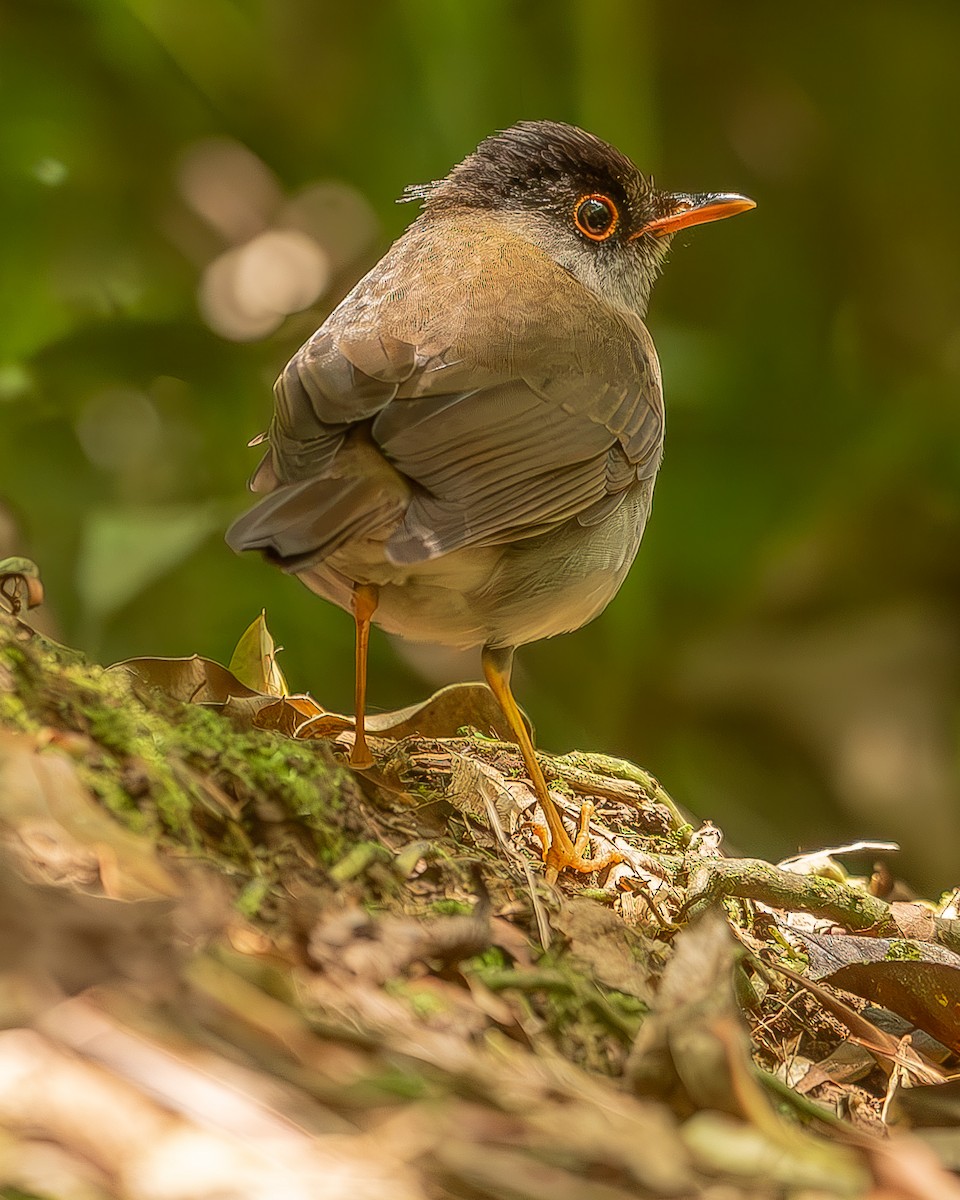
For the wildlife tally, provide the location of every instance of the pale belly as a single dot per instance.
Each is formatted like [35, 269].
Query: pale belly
[495, 595]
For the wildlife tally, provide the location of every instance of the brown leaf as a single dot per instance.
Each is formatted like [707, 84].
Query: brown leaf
[199, 680]
[925, 993]
[914, 920]
[195, 680]
[61, 835]
[887, 1048]
[677, 1052]
[918, 980]
[293, 716]
[444, 714]
[598, 936]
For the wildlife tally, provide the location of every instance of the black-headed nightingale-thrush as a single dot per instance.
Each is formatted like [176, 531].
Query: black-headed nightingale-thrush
[465, 451]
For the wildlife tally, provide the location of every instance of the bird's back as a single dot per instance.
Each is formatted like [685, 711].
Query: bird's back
[498, 435]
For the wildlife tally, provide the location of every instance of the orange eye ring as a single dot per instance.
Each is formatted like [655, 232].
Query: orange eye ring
[596, 216]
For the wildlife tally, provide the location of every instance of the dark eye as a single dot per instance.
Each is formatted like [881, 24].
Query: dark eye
[596, 217]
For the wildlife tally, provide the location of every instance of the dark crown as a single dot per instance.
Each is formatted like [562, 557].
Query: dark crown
[532, 162]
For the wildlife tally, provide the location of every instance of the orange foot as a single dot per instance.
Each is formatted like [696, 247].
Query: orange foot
[560, 854]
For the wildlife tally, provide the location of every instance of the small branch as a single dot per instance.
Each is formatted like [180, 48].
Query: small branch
[753, 879]
[596, 772]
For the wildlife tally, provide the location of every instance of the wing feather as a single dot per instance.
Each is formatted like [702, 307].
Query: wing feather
[507, 418]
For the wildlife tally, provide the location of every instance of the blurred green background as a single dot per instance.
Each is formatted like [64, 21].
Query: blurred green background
[177, 175]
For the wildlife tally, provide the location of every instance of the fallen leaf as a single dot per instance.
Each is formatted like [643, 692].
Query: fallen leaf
[195, 680]
[254, 661]
[60, 834]
[888, 1049]
[618, 956]
[914, 920]
[677, 1052]
[918, 980]
[294, 716]
[444, 714]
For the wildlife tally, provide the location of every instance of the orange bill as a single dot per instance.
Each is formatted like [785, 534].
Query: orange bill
[697, 210]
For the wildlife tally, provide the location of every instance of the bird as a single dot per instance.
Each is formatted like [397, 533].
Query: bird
[465, 451]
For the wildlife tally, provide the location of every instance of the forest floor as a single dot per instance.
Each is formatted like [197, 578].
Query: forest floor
[232, 966]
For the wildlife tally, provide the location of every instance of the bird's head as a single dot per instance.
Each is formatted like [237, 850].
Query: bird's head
[580, 200]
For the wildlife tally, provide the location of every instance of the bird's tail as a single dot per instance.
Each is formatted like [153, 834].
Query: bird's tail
[300, 524]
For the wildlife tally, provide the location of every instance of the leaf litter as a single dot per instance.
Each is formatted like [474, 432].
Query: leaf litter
[233, 966]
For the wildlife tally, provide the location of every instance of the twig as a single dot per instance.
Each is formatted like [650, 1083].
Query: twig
[753, 879]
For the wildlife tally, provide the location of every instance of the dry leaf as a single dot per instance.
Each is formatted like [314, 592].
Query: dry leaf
[195, 680]
[444, 714]
[918, 980]
[617, 956]
[59, 833]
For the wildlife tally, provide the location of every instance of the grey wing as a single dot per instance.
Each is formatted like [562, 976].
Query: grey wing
[517, 458]
[331, 384]
[507, 458]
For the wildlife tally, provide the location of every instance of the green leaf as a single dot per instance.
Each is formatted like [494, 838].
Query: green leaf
[254, 660]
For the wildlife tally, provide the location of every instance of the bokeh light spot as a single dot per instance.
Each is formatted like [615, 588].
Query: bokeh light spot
[116, 427]
[247, 292]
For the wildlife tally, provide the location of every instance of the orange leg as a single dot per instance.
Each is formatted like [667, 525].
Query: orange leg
[366, 596]
[559, 852]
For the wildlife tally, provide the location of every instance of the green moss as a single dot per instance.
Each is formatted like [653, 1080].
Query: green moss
[13, 656]
[393, 1083]
[301, 775]
[13, 715]
[110, 720]
[252, 896]
[492, 959]
[451, 908]
[185, 771]
[902, 951]
[357, 860]
[630, 1009]
[115, 798]
[677, 840]
[423, 1003]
